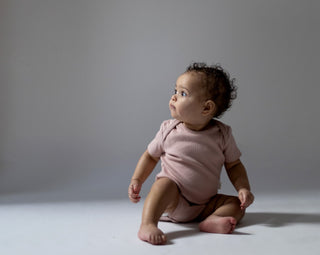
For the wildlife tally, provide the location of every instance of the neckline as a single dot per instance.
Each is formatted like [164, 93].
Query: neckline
[208, 128]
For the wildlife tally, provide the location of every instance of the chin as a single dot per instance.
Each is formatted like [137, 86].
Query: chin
[176, 117]
[173, 115]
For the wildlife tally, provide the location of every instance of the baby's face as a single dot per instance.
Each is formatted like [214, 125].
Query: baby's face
[187, 103]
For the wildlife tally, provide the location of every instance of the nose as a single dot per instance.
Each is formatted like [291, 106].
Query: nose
[174, 97]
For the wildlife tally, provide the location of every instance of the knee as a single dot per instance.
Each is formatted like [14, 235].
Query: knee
[166, 189]
[165, 184]
[233, 200]
[236, 202]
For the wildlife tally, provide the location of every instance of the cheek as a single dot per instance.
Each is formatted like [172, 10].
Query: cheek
[182, 106]
[187, 109]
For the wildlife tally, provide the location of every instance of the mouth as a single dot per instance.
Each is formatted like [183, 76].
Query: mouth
[172, 107]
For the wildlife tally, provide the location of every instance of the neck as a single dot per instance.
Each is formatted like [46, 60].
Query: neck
[198, 127]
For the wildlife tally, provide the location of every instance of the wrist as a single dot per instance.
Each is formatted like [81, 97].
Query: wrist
[243, 189]
[136, 180]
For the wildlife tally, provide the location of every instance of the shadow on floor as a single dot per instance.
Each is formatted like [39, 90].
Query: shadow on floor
[192, 229]
[278, 219]
[251, 219]
[182, 233]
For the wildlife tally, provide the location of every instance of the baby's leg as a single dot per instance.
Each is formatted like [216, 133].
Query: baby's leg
[225, 213]
[164, 195]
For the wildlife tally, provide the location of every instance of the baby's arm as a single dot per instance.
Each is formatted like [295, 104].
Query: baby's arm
[238, 177]
[144, 168]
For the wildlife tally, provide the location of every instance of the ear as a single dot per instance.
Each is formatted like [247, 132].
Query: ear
[209, 108]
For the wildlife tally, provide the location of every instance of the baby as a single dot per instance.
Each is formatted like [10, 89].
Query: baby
[193, 148]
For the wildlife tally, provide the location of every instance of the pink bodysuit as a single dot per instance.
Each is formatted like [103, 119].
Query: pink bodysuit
[193, 160]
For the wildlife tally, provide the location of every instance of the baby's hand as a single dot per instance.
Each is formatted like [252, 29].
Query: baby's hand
[134, 190]
[246, 198]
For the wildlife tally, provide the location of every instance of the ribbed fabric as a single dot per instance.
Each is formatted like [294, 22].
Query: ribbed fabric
[194, 159]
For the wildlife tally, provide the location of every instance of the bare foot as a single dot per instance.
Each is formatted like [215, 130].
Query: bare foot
[151, 234]
[218, 224]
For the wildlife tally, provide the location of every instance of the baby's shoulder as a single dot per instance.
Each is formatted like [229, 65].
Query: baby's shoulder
[221, 124]
[223, 128]
[169, 124]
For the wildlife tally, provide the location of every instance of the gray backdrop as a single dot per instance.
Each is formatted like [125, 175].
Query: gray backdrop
[85, 86]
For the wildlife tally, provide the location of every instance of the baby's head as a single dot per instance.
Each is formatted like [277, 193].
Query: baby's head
[217, 86]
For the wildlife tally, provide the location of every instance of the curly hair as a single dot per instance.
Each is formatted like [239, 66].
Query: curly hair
[220, 88]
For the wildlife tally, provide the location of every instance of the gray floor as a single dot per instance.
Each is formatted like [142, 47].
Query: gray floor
[275, 224]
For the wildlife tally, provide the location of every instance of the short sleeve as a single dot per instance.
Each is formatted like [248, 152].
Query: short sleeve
[231, 150]
[155, 147]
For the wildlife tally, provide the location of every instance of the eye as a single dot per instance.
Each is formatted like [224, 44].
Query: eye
[184, 94]
[180, 93]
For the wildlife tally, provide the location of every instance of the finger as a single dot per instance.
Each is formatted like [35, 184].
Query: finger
[248, 200]
[133, 190]
[241, 198]
[244, 201]
[243, 205]
[136, 188]
[134, 198]
[133, 194]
